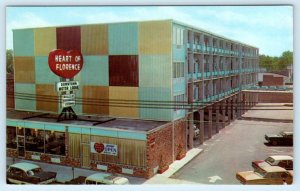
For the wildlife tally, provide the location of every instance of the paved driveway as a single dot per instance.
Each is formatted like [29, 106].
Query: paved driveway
[232, 150]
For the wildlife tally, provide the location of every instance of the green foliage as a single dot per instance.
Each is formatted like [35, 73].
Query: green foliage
[9, 61]
[276, 63]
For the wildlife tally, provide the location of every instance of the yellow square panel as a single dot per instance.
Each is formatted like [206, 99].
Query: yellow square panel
[126, 97]
[44, 41]
[94, 40]
[46, 98]
[95, 100]
[24, 69]
[155, 37]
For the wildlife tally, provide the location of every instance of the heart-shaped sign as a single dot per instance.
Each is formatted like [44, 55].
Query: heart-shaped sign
[99, 147]
[64, 63]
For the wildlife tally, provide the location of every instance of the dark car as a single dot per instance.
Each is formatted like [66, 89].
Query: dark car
[283, 138]
[27, 173]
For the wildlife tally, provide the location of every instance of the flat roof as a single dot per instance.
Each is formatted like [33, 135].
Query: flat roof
[88, 121]
[145, 20]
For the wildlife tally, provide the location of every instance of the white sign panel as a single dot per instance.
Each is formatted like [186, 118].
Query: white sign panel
[68, 97]
[67, 86]
[68, 103]
[104, 148]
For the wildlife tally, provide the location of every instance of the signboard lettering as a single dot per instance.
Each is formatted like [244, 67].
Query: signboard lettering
[104, 148]
[65, 64]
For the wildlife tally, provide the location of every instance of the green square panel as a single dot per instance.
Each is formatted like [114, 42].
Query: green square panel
[94, 71]
[123, 39]
[43, 74]
[23, 41]
[25, 97]
[158, 96]
[155, 71]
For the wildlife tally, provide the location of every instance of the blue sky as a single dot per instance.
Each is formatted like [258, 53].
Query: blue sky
[270, 28]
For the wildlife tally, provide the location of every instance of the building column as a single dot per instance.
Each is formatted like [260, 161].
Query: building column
[210, 121]
[201, 118]
[239, 108]
[223, 108]
[229, 109]
[191, 130]
[217, 108]
[233, 102]
[243, 103]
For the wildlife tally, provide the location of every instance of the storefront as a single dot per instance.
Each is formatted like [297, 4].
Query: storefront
[114, 145]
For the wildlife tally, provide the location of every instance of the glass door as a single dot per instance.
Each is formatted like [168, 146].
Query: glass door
[21, 142]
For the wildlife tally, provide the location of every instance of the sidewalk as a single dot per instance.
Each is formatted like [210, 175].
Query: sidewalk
[164, 178]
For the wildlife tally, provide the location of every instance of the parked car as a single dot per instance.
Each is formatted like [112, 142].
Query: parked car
[283, 138]
[100, 178]
[266, 175]
[283, 161]
[27, 173]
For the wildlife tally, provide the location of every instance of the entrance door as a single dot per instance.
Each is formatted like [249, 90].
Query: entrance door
[21, 146]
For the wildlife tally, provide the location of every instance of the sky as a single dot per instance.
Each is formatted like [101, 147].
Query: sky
[270, 28]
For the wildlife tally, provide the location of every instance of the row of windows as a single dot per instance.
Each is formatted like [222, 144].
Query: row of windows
[36, 140]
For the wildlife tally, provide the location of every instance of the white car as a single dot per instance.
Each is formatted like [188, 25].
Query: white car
[100, 178]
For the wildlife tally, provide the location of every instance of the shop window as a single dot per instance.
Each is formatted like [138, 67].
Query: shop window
[11, 137]
[34, 140]
[55, 142]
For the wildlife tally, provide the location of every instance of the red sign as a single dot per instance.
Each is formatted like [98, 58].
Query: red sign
[99, 147]
[65, 64]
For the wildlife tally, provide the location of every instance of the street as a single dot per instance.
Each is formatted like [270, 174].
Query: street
[232, 150]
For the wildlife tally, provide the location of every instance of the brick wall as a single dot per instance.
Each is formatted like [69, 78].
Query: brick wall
[159, 148]
[10, 100]
[270, 80]
[275, 97]
[180, 137]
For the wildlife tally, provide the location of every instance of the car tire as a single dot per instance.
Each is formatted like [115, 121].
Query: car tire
[274, 143]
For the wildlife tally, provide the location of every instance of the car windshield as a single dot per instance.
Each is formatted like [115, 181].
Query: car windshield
[34, 171]
[270, 160]
[261, 173]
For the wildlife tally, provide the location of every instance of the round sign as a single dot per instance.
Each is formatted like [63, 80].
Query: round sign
[64, 63]
[99, 147]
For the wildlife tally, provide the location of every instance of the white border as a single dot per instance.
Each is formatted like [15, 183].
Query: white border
[296, 11]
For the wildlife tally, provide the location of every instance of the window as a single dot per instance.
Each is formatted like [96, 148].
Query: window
[34, 140]
[178, 36]
[55, 142]
[178, 69]
[11, 141]
[179, 102]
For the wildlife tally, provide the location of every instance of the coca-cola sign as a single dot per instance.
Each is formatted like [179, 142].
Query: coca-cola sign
[64, 63]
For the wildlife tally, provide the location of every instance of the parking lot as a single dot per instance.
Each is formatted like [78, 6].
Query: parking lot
[234, 148]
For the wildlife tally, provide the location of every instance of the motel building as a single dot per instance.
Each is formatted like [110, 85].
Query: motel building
[124, 97]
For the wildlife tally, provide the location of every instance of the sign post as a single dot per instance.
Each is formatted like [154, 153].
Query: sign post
[66, 64]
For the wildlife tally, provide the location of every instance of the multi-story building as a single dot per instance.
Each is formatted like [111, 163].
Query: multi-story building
[143, 88]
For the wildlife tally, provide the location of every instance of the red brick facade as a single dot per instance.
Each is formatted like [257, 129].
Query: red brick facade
[10, 96]
[275, 97]
[270, 80]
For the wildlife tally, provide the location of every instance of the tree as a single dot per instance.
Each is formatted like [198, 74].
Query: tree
[9, 61]
[276, 63]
